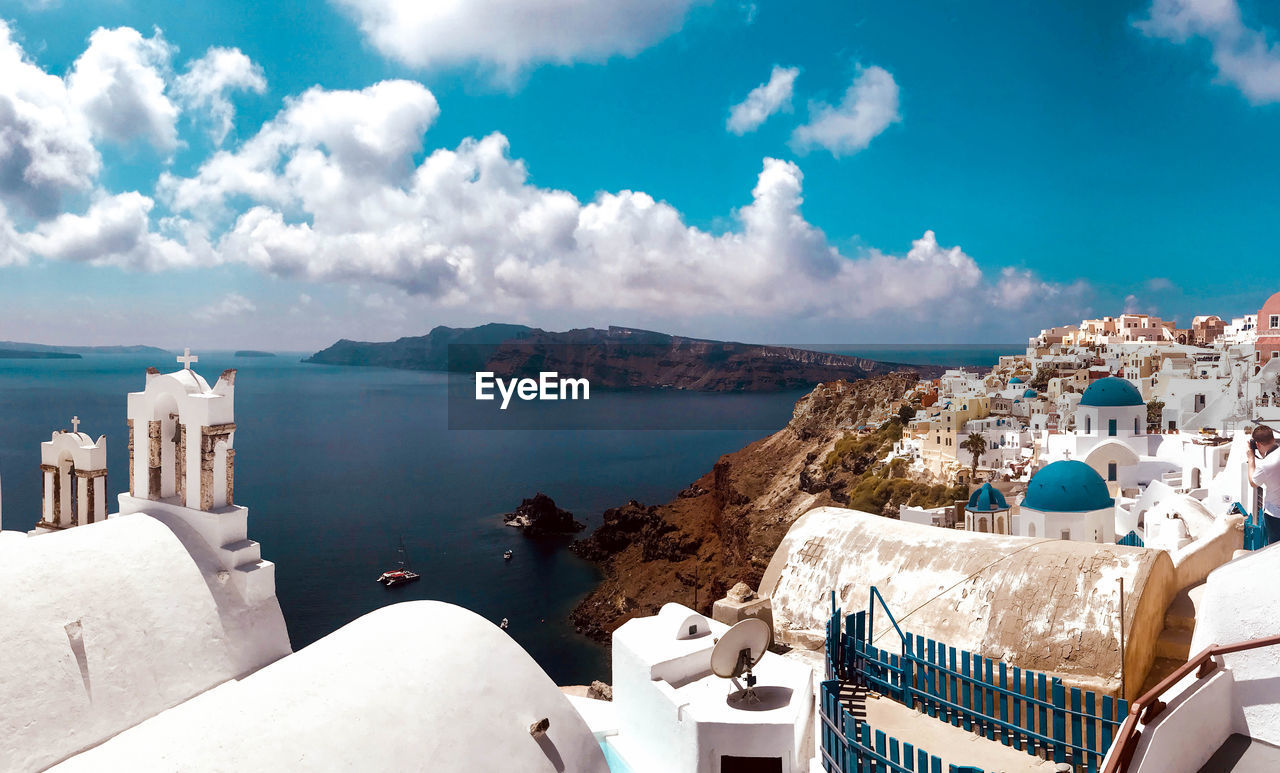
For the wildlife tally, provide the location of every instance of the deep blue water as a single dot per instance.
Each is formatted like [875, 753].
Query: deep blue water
[337, 464]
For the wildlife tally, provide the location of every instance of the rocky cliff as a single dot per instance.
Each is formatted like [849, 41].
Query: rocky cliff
[724, 527]
[616, 358]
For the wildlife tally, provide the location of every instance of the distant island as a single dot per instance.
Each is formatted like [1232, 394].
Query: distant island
[27, 354]
[78, 350]
[253, 353]
[616, 358]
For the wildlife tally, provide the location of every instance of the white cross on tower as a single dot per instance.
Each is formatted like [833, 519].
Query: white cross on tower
[187, 358]
[75, 423]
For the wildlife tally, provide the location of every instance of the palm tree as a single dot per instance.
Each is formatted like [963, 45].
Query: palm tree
[975, 444]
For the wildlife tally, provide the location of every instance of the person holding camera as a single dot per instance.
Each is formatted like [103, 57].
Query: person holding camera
[1264, 470]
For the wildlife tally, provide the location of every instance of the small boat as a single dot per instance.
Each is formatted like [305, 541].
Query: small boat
[504, 624]
[507, 555]
[400, 576]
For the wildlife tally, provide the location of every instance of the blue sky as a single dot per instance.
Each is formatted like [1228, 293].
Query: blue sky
[983, 169]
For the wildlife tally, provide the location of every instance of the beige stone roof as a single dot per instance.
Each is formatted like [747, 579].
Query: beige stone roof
[1044, 604]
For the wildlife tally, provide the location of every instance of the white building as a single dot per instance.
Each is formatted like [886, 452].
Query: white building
[1068, 500]
[671, 713]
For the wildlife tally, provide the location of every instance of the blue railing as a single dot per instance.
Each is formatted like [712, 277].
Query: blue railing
[1131, 539]
[1255, 531]
[1027, 710]
[850, 745]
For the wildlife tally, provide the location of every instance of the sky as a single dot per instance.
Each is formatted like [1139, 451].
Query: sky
[281, 175]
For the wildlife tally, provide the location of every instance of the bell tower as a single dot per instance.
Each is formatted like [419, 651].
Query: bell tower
[73, 470]
[182, 468]
[181, 439]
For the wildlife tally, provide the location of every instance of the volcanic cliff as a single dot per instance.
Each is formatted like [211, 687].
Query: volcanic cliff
[724, 527]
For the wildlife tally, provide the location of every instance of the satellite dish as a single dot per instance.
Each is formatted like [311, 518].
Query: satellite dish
[741, 648]
[737, 652]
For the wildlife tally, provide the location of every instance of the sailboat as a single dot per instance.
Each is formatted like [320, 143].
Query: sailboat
[399, 576]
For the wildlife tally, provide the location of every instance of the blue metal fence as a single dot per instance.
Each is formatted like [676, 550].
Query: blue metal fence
[1027, 710]
[1255, 532]
[850, 745]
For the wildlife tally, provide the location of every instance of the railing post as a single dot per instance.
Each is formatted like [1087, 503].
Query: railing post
[908, 673]
[1059, 721]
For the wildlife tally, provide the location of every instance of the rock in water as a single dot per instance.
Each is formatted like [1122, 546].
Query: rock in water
[539, 517]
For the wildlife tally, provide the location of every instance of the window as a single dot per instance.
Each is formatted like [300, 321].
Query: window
[1275, 321]
[1088, 424]
[1111, 428]
[1136, 431]
[1111, 471]
[1066, 534]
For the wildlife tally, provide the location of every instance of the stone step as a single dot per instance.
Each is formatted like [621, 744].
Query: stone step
[256, 580]
[241, 552]
[1174, 643]
[1182, 610]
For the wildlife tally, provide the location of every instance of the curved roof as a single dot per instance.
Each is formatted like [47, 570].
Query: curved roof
[1068, 486]
[1031, 393]
[1015, 380]
[986, 499]
[1046, 604]
[106, 624]
[420, 684]
[1110, 392]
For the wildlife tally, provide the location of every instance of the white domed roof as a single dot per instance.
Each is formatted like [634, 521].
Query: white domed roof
[105, 625]
[418, 685]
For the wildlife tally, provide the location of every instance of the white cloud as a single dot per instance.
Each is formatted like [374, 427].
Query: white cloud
[230, 305]
[115, 231]
[118, 83]
[210, 78]
[46, 149]
[869, 106]
[1245, 57]
[763, 101]
[12, 252]
[510, 34]
[339, 154]
[334, 196]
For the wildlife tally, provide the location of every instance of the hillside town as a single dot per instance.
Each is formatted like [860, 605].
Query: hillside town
[1101, 601]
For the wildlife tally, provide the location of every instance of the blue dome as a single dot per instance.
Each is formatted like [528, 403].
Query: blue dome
[1031, 393]
[1067, 487]
[986, 499]
[1015, 380]
[1111, 392]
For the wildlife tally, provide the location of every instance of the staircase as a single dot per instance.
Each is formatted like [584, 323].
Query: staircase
[1173, 646]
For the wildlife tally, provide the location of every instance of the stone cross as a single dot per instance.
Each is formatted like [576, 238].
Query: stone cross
[75, 423]
[187, 358]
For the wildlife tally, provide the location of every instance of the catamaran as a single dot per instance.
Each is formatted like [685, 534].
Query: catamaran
[399, 576]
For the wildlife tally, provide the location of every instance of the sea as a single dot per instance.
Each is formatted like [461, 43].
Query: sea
[339, 465]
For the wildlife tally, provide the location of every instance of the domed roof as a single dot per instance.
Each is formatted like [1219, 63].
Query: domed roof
[986, 499]
[1068, 486]
[1031, 393]
[1015, 380]
[1111, 392]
